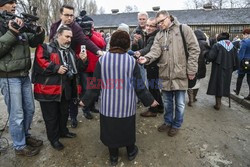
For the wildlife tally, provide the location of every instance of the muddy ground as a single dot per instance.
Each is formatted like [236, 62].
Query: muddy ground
[207, 138]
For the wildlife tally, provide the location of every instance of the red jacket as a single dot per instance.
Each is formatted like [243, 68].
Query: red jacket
[48, 84]
[97, 39]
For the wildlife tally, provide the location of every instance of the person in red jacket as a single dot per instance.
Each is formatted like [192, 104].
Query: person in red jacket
[87, 25]
[79, 38]
[54, 77]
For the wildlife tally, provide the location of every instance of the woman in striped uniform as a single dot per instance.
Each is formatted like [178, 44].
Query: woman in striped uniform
[118, 76]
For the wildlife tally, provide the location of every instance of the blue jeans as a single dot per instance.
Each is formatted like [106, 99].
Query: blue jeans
[172, 118]
[19, 99]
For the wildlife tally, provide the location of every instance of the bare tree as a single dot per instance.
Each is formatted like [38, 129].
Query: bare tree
[91, 7]
[195, 4]
[135, 8]
[129, 9]
[247, 2]
[80, 5]
[48, 10]
[218, 4]
[101, 10]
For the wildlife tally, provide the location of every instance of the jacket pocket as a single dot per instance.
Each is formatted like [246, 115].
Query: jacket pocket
[163, 71]
[180, 72]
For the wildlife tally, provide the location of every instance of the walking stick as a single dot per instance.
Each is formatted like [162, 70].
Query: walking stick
[229, 98]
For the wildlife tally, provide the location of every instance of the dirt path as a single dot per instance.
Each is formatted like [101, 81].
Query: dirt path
[207, 138]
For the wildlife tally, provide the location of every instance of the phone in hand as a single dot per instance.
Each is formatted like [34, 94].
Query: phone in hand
[83, 48]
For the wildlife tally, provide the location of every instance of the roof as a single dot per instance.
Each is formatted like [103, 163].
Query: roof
[191, 17]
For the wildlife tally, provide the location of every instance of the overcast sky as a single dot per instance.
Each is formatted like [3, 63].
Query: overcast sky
[142, 5]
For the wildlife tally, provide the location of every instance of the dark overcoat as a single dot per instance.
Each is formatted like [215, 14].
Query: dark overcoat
[223, 56]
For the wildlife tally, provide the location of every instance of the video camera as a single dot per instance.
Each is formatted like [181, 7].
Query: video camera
[29, 21]
[85, 25]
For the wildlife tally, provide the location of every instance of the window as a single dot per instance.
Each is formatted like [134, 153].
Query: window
[204, 28]
[236, 29]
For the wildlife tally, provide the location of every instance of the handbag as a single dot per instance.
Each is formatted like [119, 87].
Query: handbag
[191, 83]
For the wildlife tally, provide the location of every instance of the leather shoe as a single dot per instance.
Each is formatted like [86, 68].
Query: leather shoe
[132, 155]
[74, 122]
[57, 145]
[69, 135]
[28, 151]
[88, 115]
[148, 114]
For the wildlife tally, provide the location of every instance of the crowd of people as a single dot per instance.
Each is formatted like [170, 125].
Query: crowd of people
[153, 65]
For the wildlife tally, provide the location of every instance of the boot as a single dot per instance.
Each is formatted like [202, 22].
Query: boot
[238, 85]
[218, 103]
[195, 91]
[190, 97]
[247, 98]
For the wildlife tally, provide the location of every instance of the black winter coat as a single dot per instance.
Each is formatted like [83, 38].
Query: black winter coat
[141, 42]
[48, 84]
[204, 47]
[149, 42]
[224, 62]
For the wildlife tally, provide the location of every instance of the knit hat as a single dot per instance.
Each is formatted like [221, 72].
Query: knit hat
[87, 18]
[84, 17]
[3, 2]
[123, 27]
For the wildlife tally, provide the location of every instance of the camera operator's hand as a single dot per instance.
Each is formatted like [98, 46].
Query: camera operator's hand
[17, 21]
[83, 56]
[62, 70]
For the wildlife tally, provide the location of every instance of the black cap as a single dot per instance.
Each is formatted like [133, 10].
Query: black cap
[3, 2]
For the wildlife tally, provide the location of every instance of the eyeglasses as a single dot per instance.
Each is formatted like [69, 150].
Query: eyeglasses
[68, 15]
[159, 22]
[152, 26]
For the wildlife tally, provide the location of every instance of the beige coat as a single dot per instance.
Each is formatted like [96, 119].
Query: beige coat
[173, 67]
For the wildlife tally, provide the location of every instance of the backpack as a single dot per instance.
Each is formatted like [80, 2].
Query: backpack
[191, 83]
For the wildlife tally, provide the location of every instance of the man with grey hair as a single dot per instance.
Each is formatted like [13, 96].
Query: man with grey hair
[55, 83]
[139, 39]
[174, 68]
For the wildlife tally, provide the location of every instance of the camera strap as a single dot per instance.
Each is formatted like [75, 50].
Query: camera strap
[3, 29]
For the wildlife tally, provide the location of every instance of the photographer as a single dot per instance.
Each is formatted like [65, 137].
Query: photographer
[15, 63]
[54, 78]
[78, 38]
[87, 25]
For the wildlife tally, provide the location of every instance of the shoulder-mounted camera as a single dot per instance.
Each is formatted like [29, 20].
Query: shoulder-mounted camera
[29, 21]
